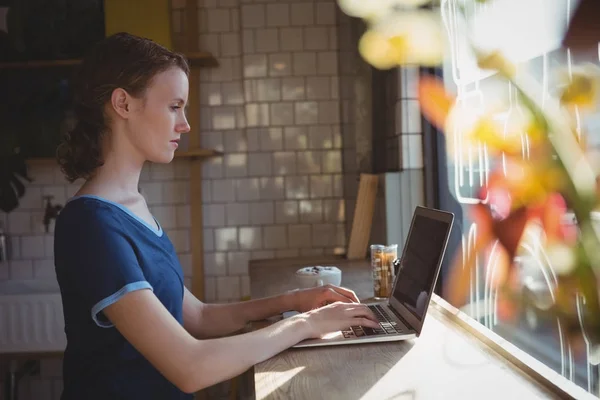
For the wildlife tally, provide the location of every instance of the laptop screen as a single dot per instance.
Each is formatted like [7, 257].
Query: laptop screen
[420, 260]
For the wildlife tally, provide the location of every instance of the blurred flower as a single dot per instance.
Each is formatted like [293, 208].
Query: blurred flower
[562, 257]
[495, 61]
[434, 101]
[582, 86]
[372, 9]
[403, 38]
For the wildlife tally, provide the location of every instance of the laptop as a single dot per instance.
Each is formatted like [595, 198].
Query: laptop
[401, 316]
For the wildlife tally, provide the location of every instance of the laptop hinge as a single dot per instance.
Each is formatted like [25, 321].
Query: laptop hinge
[400, 317]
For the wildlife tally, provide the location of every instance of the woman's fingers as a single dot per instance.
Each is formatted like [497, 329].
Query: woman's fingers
[342, 294]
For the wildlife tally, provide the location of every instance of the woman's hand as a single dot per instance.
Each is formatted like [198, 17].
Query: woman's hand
[337, 316]
[309, 299]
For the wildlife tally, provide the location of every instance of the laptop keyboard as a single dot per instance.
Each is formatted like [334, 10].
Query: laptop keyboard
[387, 325]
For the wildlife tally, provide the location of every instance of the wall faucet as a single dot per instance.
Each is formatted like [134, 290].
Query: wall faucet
[51, 211]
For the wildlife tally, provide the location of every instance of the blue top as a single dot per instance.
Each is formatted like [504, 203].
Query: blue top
[103, 251]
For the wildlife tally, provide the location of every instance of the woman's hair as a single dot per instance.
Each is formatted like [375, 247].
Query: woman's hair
[122, 61]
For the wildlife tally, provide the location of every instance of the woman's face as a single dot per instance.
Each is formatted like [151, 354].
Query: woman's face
[158, 118]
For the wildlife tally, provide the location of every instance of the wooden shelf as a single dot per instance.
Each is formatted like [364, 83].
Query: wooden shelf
[195, 153]
[201, 59]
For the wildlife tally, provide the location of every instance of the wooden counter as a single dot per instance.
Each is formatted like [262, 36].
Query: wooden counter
[444, 362]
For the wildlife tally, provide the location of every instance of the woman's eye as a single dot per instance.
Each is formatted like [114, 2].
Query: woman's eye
[175, 107]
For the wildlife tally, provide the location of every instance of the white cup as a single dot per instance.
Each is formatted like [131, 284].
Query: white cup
[309, 277]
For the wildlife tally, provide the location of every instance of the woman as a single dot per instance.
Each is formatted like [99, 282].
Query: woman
[133, 330]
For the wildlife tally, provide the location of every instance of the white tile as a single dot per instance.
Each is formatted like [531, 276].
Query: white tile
[182, 168]
[311, 211]
[37, 223]
[332, 161]
[235, 18]
[321, 186]
[166, 216]
[412, 151]
[295, 137]
[238, 262]
[306, 112]
[284, 163]
[329, 112]
[210, 289]
[282, 114]
[32, 199]
[226, 239]
[211, 94]
[177, 192]
[248, 41]
[280, 64]
[318, 88]
[334, 210]
[291, 39]
[308, 162]
[286, 212]
[338, 186]
[255, 65]
[326, 13]
[253, 16]
[4, 276]
[324, 235]
[333, 38]
[296, 187]
[233, 93]
[180, 239]
[247, 189]
[228, 288]
[237, 214]
[302, 14]
[267, 40]
[257, 115]
[236, 166]
[293, 89]
[223, 117]
[230, 44]
[208, 238]
[213, 214]
[262, 255]
[271, 139]
[315, 38]
[305, 63]
[320, 137]
[262, 213]
[337, 137]
[268, 89]
[327, 63]
[161, 172]
[213, 168]
[19, 222]
[48, 246]
[223, 190]
[215, 264]
[275, 237]
[212, 140]
[250, 238]
[32, 247]
[206, 191]
[272, 188]
[278, 14]
[260, 164]
[299, 236]
[14, 248]
[186, 264]
[218, 20]
[235, 141]
[21, 270]
[253, 139]
[44, 269]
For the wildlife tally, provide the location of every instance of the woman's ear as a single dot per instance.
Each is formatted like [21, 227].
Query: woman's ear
[120, 102]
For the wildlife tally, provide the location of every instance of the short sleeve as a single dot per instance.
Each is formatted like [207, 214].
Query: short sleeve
[96, 259]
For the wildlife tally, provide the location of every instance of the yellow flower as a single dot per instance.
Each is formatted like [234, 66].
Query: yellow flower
[581, 87]
[403, 38]
[495, 61]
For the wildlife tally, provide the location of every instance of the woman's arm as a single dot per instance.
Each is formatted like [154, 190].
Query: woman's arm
[193, 364]
[212, 320]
